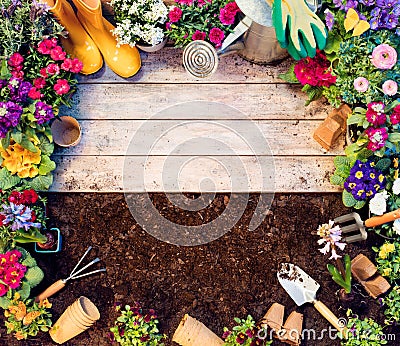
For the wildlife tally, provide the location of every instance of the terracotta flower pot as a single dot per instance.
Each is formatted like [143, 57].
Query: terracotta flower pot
[191, 332]
[78, 317]
[66, 131]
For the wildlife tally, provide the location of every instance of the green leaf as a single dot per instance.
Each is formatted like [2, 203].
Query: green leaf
[46, 146]
[46, 165]
[337, 180]
[348, 199]
[41, 182]
[289, 76]
[7, 181]
[347, 268]
[5, 142]
[359, 204]
[394, 137]
[355, 119]
[5, 302]
[25, 289]
[24, 141]
[341, 160]
[383, 164]
[34, 276]
[364, 154]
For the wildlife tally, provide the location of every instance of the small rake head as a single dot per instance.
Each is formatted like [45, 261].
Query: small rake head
[352, 227]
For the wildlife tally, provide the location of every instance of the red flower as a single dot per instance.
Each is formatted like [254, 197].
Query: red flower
[175, 14]
[46, 46]
[61, 87]
[15, 60]
[16, 197]
[30, 196]
[33, 216]
[39, 83]
[77, 66]
[17, 74]
[216, 36]
[3, 290]
[199, 35]
[232, 7]
[43, 72]
[57, 53]
[67, 64]
[52, 69]
[34, 94]
[2, 218]
[395, 116]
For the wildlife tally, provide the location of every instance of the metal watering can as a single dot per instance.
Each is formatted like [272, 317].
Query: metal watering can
[253, 39]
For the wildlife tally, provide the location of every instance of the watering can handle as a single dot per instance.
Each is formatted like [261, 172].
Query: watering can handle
[49, 291]
[380, 220]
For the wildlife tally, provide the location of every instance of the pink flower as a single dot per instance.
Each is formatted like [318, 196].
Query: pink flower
[15, 60]
[168, 25]
[232, 7]
[67, 64]
[61, 87]
[185, 2]
[14, 256]
[384, 56]
[390, 87]
[77, 66]
[216, 36]
[361, 84]
[4, 258]
[377, 138]
[14, 283]
[17, 74]
[199, 35]
[226, 17]
[52, 69]
[375, 113]
[34, 94]
[43, 72]
[395, 116]
[175, 14]
[3, 290]
[57, 53]
[39, 83]
[46, 46]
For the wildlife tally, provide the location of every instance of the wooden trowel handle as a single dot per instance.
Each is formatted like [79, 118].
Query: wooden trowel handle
[380, 220]
[330, 316]
[49, 291]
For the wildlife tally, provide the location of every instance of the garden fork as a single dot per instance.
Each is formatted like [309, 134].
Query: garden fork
[60, 284]
[355, 226]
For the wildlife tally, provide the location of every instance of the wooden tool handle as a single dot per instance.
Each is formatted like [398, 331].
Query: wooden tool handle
[330, 316]
[380, 220]
[49, 291]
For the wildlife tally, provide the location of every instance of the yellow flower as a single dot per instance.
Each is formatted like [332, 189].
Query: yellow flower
[7, 313]
[385, 250]
[28, 172]
[386, 271]
[30, 157]
[16, 296]
[10, 325]
[45, 303]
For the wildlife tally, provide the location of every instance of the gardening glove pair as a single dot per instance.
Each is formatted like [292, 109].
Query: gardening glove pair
[297, 28]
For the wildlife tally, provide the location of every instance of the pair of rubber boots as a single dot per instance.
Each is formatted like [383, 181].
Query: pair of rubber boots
[90, 38]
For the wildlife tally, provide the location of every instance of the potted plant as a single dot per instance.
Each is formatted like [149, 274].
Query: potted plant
[140, 23]
[21, 273]
[210, 21]
[27, 318]
[22, 217]
[53, 241]
[135, 326]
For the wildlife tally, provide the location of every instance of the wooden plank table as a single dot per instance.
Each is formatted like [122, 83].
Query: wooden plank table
[113, 110]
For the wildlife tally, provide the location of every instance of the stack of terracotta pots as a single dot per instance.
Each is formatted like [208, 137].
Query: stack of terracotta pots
[78, 317]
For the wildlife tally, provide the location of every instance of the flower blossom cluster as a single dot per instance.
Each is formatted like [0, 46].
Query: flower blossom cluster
[331, 236]
[364, 180]
[11, 271]
[315, 71]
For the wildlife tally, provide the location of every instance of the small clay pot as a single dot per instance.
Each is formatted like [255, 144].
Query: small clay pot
[151, 49]
[66, 131]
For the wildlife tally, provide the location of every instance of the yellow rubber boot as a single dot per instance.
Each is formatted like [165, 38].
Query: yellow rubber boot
[123, 60]
[78, 44]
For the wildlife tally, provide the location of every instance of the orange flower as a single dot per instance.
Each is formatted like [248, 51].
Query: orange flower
[19, 311]
[45, 303]
[19, 336]
[30, 316]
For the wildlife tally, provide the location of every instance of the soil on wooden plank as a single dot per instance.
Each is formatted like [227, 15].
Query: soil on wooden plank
[232, 276]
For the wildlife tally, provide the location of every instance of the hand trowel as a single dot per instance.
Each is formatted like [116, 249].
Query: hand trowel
[303, 289]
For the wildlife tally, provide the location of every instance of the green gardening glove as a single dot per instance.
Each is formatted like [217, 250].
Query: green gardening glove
[297, 28]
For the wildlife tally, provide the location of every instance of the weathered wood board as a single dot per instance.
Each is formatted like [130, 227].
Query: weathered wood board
[266, 125]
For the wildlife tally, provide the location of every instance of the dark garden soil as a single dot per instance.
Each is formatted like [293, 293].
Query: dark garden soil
[232, 276]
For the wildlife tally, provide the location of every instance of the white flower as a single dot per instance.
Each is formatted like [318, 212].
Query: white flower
[396, 226]
[396, 186]
[377, 205]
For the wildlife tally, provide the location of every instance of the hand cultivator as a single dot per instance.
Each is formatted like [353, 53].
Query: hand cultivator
[60, 284]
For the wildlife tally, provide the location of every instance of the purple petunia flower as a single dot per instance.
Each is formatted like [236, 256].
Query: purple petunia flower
[368, 2]
[43, 112]
[338, 4]
[10, 114]
[350, 4]
[329, 19]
